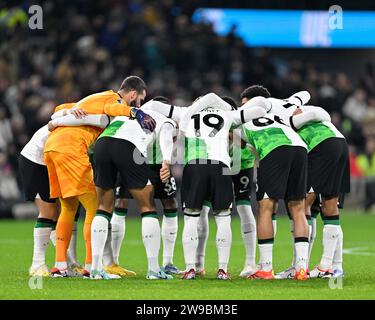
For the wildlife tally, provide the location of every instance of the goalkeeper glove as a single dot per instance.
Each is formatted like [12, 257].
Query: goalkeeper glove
[144, 120]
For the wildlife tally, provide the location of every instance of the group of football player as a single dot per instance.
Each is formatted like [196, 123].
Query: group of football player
[110, 147]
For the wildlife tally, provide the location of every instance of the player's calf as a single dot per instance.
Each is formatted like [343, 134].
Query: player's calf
[301, 237]
[332, 234]
[223, 241]
[265, 239]
[169, 230]
[190, 237]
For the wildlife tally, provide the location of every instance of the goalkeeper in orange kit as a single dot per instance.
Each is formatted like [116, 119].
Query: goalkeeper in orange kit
[69, 170]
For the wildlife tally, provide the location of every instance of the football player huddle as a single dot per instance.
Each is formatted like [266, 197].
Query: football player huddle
[110, 147]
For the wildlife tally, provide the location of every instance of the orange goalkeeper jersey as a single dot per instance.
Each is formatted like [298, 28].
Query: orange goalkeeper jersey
[65, 106]
[76, 140]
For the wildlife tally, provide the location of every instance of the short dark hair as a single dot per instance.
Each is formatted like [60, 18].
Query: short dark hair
[161, 99]
[255, 91]
[231, 101]
[133, 83]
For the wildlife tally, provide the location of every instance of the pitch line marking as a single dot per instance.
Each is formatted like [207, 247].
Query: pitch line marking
[360, 251]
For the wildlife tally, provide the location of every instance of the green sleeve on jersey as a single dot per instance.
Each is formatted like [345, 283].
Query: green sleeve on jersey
[266, 140]
[195, 148]
[111, 130]
[314, 133]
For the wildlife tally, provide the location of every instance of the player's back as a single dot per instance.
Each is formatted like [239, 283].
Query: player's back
[75, 140]
[94, 103]
[34, 149]
[125, 128]
[313, 132]
[72, 140]
[207, 136]
[269, 132]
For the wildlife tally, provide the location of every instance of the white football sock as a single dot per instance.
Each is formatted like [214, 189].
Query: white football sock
[53, 237]
[330, 237]
[312, 235]
[265, 256]
[151, 241]
[62, 265]
[72, 250]
[203, 231]
[41, 240]
[190, 239]
[337, 258]
[169, 229]
[274, 226]
[99, 233]
[292, 235]
[302, 251]
[107, 252]
[118, 224]
[223, 239]
[248, 231]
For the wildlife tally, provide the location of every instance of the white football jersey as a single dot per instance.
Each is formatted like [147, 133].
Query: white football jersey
[122, 127]
[270, 132]
[282, 107]
[323, 129]
[207, 135]
[34, 149]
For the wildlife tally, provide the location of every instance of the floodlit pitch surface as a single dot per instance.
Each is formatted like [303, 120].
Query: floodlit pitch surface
[359, 264]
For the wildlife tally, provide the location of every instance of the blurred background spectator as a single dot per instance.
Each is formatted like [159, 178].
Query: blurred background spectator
[89, 46]
[366, 163]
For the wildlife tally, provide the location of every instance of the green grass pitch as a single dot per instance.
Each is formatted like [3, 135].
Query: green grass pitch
[359, 265]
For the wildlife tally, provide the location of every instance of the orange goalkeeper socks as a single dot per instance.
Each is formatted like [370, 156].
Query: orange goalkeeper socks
[90, 203]
[64, 229]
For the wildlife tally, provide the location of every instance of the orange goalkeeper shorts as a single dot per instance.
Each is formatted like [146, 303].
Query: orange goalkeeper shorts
[69, 175]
